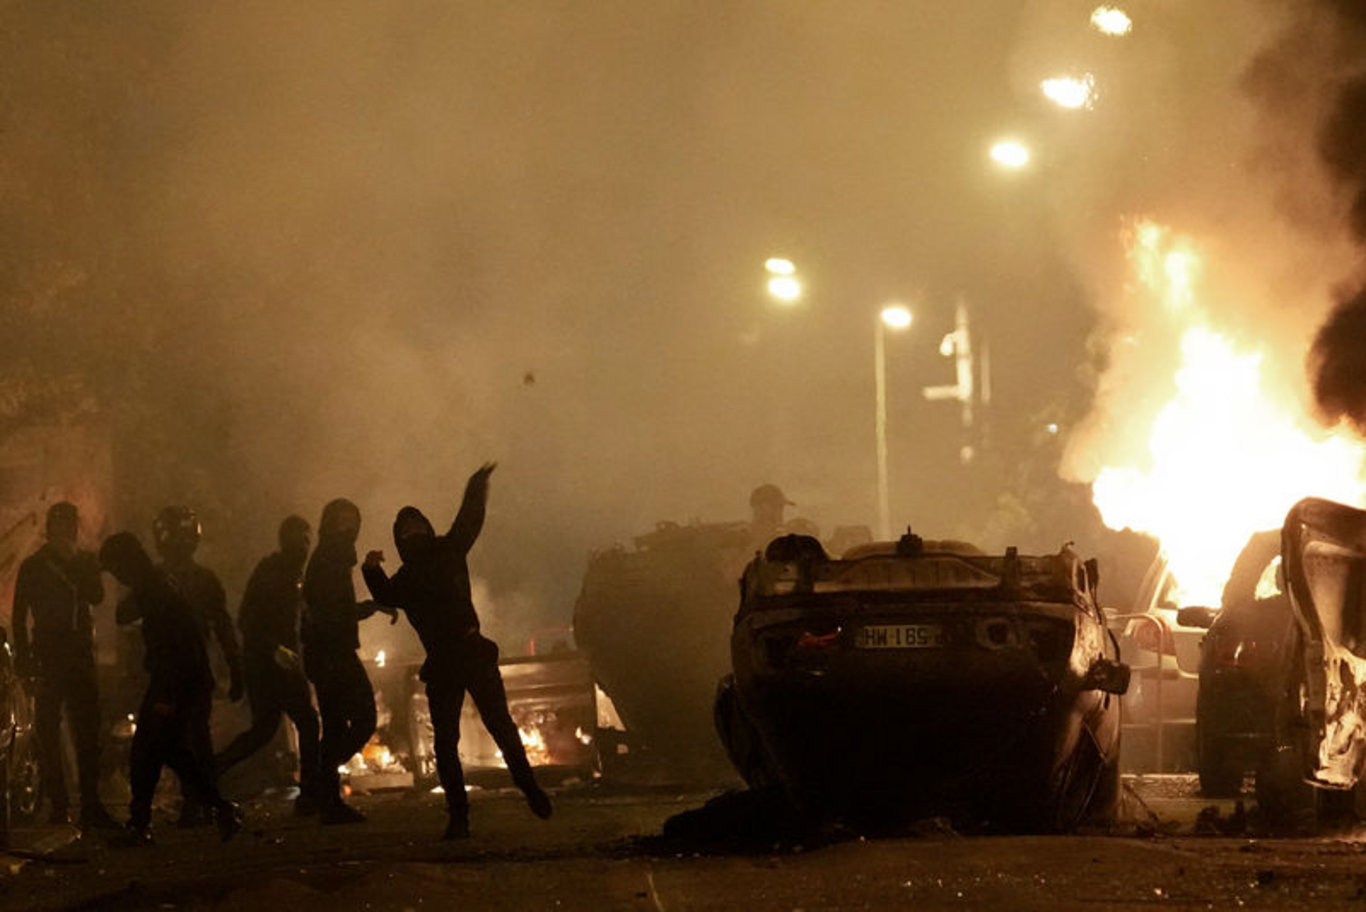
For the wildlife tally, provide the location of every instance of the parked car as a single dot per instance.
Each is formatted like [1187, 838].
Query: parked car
[18, 757]
[917, 678]
[1243, 668]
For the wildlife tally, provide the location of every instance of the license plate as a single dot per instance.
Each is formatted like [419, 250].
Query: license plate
[901, 636]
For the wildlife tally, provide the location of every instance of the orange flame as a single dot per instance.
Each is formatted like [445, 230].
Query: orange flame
[1229, 453]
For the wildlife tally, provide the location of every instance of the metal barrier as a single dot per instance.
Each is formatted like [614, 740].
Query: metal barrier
[1164, 636]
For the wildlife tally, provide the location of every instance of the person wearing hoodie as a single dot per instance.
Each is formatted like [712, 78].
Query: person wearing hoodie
[330, 634]
[433, 588]
[179, 689]
[275, 680]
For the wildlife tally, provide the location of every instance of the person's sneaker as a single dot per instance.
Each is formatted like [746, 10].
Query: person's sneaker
[457, 828]
[95, 817]
[228, 816]
[538, 801]
[339, 812]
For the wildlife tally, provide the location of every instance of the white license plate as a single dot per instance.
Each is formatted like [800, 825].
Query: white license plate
[900, 636]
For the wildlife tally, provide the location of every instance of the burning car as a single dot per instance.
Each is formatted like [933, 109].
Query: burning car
[1320, 726]
[917, 678]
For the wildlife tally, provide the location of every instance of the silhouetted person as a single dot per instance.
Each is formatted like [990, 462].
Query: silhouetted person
[433, 588]
[767, 504]
[58, 584]
[179, 690]
[330, 635]
[276, 685]
[177, 532]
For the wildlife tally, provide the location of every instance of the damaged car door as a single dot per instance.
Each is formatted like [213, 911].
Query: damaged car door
[1324, 553]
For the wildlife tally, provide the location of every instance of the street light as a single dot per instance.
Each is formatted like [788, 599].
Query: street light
[783, 283]
[897, 317]
[1010, 153]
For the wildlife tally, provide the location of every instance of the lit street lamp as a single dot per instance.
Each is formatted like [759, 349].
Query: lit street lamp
[893, 316]
[1010, 153]
[783, 283]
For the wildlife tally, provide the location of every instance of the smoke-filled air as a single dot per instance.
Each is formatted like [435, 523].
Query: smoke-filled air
[268, 255]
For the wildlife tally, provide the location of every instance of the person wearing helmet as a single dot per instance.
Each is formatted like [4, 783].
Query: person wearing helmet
[330, 634]
[433, 589]
[276, 684]
[177, 532]
[57, 585]
[179, 690]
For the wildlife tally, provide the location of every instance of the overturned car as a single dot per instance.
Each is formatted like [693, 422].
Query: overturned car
[915, 678]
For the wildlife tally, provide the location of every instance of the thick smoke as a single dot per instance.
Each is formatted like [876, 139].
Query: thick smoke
[1337, 361]
[1205, 122]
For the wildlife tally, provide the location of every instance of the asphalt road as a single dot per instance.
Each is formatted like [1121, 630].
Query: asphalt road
[601, 851]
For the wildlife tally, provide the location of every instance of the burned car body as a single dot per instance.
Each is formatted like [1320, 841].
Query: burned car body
[915, 679]
[1322, 724]
[654, 622]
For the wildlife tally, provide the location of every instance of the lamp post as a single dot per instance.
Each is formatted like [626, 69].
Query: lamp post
[893, 316]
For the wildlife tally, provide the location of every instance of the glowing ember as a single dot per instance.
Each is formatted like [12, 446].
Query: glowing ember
[1111, 20]
[1071, 91]
[1229, 453]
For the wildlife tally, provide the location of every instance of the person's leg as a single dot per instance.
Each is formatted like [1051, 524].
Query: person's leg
[145, 758]
[47, 729]
[333, 721]
[266, 710]
[485, 685]
[291, 689]
[196, 712]
[83, 714]
[360, 700]
[444, 701]
[187, 755]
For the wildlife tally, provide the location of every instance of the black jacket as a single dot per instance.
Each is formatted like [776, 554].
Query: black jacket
[177, 659]
[201, 589]
[58, 592]
[330, 614]
[271, 606]
[433, 588]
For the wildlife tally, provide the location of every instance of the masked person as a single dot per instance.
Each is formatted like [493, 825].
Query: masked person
[433, 589]
[276, 685]
[179, 690]
[177, 532]
[330, 634]
[57, 585]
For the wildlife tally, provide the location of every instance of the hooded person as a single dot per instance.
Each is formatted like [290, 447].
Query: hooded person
[275, 680]
[57, 586]
[179, 689]
[432, 587]
[330, 635]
